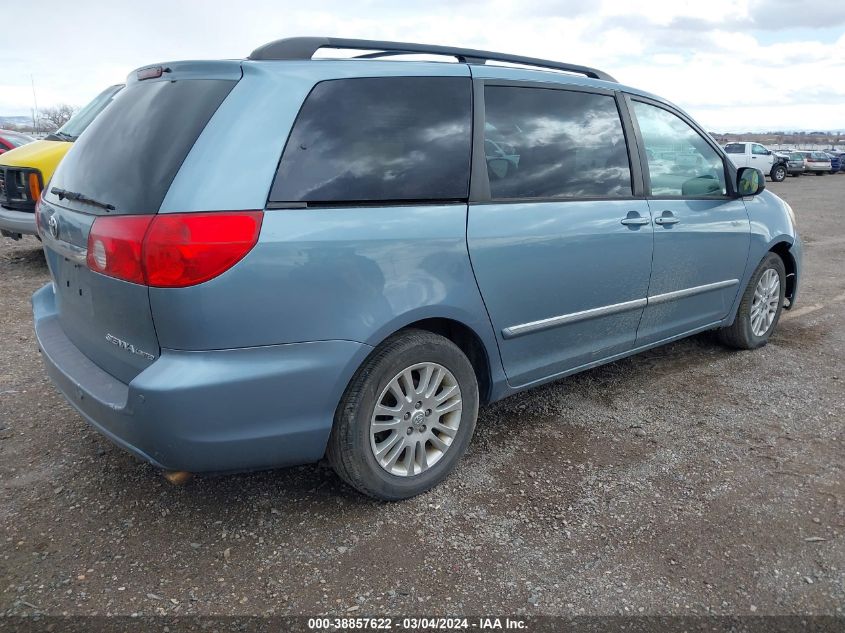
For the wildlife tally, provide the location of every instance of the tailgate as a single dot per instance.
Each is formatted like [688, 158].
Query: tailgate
[109, 320]
[123, 165]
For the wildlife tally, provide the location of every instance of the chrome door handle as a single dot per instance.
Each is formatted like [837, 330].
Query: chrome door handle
[666, 219]
[635, 221]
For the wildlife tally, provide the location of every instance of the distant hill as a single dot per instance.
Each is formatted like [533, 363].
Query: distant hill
[6, 121]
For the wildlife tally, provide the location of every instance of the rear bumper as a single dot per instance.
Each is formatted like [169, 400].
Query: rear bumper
[210, 411]
[22, 222]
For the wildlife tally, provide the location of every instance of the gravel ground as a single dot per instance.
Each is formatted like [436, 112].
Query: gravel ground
[688, 480]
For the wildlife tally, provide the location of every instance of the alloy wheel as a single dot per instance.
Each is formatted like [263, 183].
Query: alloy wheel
[766, 302]
[416, 419]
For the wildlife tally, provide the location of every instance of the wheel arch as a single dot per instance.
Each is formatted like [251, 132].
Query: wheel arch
[468, 342]
[783, 250]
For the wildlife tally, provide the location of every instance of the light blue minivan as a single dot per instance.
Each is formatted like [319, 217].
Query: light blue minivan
[262, 262]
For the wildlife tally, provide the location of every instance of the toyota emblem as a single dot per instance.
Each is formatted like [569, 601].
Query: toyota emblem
[53, 223]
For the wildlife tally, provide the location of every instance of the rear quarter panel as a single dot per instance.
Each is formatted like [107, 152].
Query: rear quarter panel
[355, 273]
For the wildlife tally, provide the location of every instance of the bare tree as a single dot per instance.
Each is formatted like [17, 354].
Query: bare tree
[51, 119]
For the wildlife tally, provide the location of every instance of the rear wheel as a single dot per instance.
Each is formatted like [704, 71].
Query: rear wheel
[760, 308]
[406, 417]
[778, 173]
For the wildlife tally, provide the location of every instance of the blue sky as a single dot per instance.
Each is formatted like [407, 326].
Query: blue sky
[735, 65]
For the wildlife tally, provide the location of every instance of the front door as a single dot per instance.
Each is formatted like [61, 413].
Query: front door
[562, 249]
[701, 231]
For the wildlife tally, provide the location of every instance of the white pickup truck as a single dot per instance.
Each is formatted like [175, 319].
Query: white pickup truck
[750, 154]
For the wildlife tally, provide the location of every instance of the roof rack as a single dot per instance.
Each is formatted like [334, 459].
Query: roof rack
[302, 48]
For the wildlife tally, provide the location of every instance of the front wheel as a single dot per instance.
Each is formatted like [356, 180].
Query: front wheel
[778, 173]
[406, 417]
[760, 308]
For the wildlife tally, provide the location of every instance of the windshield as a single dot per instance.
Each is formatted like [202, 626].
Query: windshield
[16, 140]
[76, 125]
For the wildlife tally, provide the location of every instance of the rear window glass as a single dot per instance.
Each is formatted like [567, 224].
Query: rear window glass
[130, 154]
[543, 143]
[379, 139]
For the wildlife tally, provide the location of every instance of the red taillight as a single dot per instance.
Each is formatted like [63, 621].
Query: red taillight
[189, 248]
[115, 245]
[171, 250]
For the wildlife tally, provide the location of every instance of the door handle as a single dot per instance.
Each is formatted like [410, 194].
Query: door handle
[634, 219]
[666, 219]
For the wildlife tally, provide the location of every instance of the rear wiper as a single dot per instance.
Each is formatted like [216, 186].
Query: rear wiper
[80, 197]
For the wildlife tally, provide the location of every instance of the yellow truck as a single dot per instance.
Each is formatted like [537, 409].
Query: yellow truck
[25, 170]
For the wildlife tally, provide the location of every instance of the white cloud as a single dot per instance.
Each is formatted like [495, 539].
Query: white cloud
[709, 57]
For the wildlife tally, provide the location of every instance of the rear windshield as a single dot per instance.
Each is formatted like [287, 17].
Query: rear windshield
[131, 153]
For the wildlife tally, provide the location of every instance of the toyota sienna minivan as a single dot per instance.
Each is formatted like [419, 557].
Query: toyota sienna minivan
[265, 262]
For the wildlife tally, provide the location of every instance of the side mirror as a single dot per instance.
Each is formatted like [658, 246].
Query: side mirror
[750, 181]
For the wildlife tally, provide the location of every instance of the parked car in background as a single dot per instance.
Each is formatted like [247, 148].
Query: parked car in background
[237, 286]
[835, 161]
[26, 169]
[815, 162]
[9, 140]
[795, 163]
[749, 154]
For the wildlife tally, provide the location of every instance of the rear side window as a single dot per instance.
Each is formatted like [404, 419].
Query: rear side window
[379, 139]
[545, 143]
[735, 148]
[130, 154]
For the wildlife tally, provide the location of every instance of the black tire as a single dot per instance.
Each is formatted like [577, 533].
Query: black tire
[740, 335]
[349, 450]
[778, 173]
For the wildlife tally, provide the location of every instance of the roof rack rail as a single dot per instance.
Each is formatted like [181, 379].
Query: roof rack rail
[302, 48]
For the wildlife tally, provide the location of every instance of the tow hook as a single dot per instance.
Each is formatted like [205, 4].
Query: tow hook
[178, 477]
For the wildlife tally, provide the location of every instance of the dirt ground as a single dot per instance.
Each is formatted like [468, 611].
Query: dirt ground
[688, 480]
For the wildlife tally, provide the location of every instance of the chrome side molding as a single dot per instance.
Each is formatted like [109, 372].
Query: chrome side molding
[574, 317]
[689, 292]
[615, 308]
